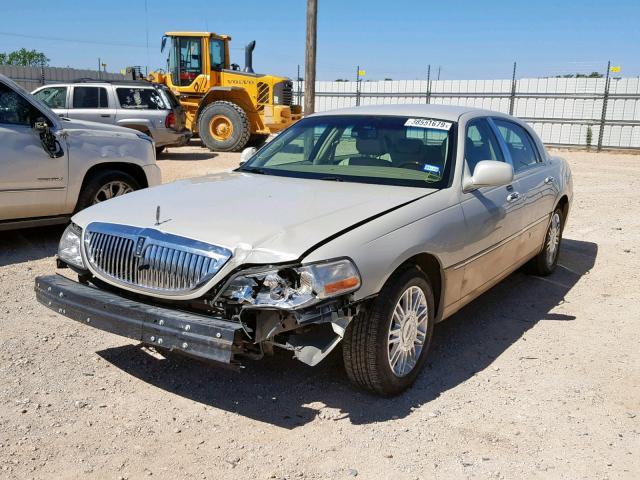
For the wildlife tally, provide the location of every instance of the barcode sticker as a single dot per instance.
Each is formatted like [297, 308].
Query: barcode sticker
[428, 123]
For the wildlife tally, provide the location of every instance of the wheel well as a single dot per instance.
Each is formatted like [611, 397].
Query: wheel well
[132, 169]
[563, 204]
[430, 265]
[139, 128]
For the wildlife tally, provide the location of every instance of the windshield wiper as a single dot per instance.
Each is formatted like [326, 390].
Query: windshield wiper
[332, 179]
[257, 170]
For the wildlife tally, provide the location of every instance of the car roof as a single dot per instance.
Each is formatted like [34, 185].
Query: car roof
[91, 82]
[441, 112]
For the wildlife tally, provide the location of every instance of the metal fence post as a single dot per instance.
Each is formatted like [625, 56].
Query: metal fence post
[42, 79]
[512, 97]
[429, 83]
[357, 85]
[605, 97]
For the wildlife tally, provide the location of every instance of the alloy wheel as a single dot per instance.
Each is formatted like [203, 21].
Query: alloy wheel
[553, 239]
[408, 331]
[111, 190]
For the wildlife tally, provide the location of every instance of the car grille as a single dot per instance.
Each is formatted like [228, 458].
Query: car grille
[151, 261]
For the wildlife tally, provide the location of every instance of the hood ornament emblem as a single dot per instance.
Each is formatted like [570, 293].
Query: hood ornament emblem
[158, 222]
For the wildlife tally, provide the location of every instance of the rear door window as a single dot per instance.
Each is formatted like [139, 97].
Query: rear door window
[137, 98]
[90, 97]
[523, 152]
[53, 97]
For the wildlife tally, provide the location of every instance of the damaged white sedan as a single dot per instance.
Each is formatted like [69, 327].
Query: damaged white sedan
[363, 226]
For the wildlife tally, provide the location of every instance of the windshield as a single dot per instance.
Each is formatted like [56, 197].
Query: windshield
[387, 150]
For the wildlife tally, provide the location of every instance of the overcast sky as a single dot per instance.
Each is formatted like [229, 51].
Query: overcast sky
[387, 38]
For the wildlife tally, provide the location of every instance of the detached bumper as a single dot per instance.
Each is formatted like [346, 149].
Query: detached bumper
[196, 335]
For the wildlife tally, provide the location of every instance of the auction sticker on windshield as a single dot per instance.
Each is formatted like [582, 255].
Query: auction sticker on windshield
[428, 123]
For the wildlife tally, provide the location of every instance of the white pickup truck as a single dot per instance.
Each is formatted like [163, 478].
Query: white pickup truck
[52, 167]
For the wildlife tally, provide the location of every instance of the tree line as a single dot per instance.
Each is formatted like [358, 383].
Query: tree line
[24, 58]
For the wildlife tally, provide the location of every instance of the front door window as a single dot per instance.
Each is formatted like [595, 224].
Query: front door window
[15, 110]
[185, 60]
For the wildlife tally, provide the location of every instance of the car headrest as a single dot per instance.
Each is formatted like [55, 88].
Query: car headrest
[370, 146]
[408, 145]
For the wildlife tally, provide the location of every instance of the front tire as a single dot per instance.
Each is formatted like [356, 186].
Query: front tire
[545, 262]
[224, 127]
[385, 347]
[105, 185]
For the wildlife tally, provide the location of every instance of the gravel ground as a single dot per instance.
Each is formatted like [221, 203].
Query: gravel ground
[539, 378]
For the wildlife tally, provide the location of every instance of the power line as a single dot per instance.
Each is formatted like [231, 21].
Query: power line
[60, 39]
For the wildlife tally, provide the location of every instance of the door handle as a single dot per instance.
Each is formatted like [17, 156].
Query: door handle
[105, 115]
[549, 180]
[512, 197]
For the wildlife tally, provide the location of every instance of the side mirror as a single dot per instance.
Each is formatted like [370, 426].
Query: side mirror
[40, 126]
[489, 173]
[246, 154]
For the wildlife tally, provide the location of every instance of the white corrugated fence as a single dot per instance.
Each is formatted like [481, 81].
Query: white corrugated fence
[561, 110]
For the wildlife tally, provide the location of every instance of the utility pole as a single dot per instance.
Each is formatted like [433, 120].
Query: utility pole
[310, 57]
[299, 80]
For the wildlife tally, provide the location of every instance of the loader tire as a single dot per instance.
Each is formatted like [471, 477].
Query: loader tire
[224, 127]
[257, 140]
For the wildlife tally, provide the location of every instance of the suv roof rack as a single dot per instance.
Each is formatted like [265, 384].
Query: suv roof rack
[115, 82]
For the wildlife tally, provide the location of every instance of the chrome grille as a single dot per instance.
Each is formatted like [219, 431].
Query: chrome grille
[149, 260]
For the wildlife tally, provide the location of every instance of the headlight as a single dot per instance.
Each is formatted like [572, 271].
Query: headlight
[69, 247]
[294, 287]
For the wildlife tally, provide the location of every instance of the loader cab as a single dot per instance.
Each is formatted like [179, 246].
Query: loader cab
[195, 60]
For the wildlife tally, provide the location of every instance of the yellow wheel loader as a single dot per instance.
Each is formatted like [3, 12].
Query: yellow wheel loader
[228, 108]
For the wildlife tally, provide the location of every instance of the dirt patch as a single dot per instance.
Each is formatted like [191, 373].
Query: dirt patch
[539, 378]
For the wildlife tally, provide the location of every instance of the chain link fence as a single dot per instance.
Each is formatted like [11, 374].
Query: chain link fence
[583, 112]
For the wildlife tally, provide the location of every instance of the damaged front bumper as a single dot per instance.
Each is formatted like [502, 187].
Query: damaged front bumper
[196, 335]
[310, 334]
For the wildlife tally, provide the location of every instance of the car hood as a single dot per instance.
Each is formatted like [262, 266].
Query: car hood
[270, 219]
[69, 124]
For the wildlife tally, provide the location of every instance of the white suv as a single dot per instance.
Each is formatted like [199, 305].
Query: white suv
[51, 167]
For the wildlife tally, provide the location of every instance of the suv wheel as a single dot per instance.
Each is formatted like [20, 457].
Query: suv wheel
[385, 348]
[105, 185]
[224, 127]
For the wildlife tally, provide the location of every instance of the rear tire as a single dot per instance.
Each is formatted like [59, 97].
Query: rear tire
[224, 127]
[381, 334]
[105, 185]
[545, 262]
